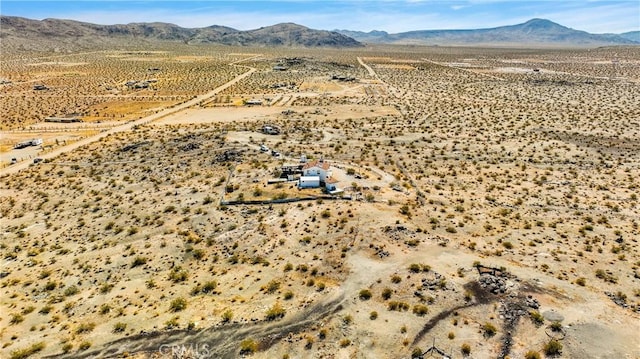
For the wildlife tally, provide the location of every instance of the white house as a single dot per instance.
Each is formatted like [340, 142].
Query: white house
[318, 168]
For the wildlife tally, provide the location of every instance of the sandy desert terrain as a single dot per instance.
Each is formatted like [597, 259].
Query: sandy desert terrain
[489, 204]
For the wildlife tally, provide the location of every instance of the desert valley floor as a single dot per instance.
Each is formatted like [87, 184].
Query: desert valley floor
[486, 204]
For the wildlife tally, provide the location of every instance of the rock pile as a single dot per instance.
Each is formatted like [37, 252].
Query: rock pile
[380, 251]
[532, 302]
[437, 281]
[493, 284]
[620, 300]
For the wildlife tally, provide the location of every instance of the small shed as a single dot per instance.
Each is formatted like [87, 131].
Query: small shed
[330, 184]
[309, 182]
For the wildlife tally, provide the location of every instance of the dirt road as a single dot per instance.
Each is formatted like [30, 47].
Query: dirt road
[130, 125]
[369, 69]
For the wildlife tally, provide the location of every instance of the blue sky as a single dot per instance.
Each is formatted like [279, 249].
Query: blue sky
[596, 16]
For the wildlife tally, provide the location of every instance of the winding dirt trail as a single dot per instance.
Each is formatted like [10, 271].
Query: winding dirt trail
[130, 125]
[218, 341]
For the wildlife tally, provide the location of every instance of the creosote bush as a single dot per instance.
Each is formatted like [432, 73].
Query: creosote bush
[275, 312]
[553, 347]
[178, 304]
[248, 346]
[489, 329]
[27, 352]
[365, 294]
[465, 349]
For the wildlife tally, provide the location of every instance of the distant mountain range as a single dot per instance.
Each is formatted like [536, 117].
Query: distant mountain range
[632, 35]
[532, 32]
[27, 34]
[55, 34]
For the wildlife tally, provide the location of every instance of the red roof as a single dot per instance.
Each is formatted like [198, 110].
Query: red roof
[320, 164]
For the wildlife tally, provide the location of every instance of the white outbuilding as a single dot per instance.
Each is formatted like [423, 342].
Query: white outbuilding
[309, 182]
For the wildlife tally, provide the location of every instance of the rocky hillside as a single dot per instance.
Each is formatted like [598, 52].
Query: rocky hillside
[56, 34]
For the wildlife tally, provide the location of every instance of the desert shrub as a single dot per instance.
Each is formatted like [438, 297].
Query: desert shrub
[398, 306]
[373, 315]
[178, 274]
[248, 346]
[396, 279]
[532, 354]
[172, 323]
[199, 253]
[105, 308]
[46, 309]
[209, 286]
[581, 281]
[16, 318]
[489, 329]
[288, 295]
[27, 352]
[556, 326]
[275, 312]
[465, 349]
[119, 327]
[386, 293]
[553, 347]
[272, 286]
[416, 353]
[84, 345]
[51, 285]
[72, 290]
[106, 288]
[420, 310]
[85, 328]
[310, 340]
[28, 310]
[606, 276]
[227, 315]
[138, 261]
[178, 304]
[345, 342]
[536, 317]
[365, 294]
[67, 348]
